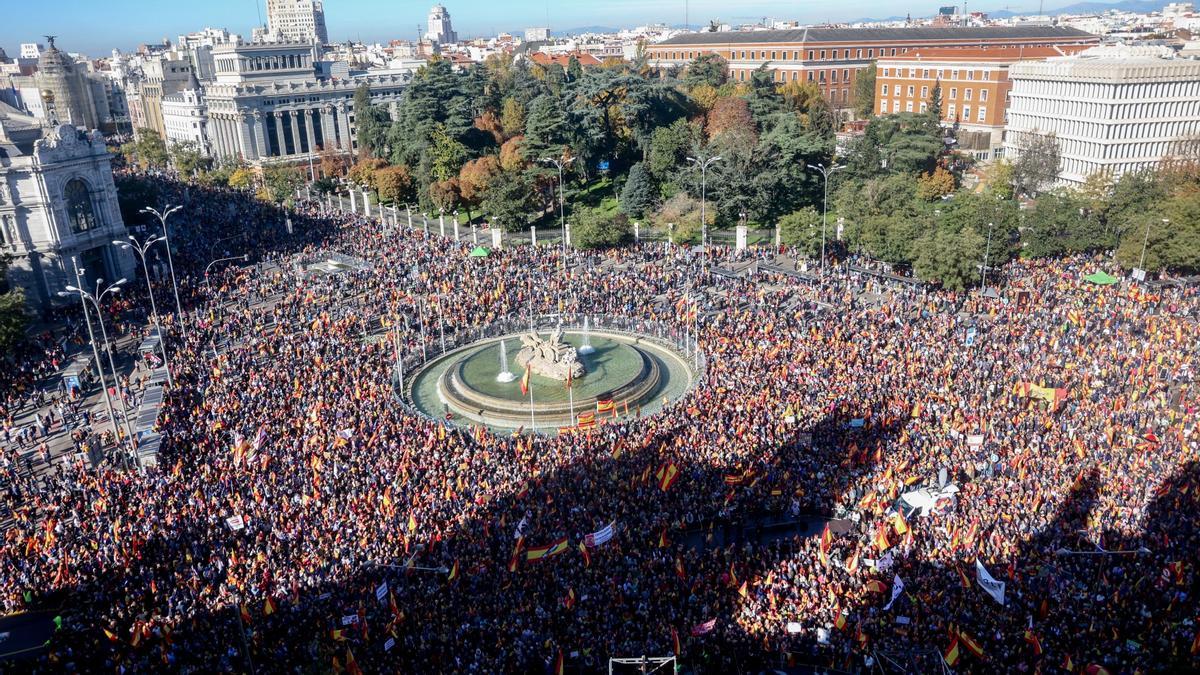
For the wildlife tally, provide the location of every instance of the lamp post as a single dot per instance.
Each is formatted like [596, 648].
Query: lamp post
[1146, 243]
[84, 298]
[140, 249]
[96, 297]
[825, 173]
[162, 218]
[562, 209]
[704, 196]
[208, 287]
[986, 252]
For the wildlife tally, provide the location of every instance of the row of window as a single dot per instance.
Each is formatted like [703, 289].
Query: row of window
[938, 73]
[1157, 110]
[1090, 91]
[951, 110]
[259, 63]
[777, 55]
[952, 92]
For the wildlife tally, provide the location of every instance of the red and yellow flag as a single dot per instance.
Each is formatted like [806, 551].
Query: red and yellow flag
[952, 653]
[525, 381]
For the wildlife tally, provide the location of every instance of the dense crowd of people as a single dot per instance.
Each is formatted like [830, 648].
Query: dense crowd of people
[300, 517]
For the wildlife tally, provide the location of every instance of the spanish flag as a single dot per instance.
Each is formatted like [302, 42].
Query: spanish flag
[662, 538]
[1196, 644]
[852, 564]
[111, 635]
[268, 607]
[412, 522]
[900, 524]
[569, 601]
[675, 641]
[679, 572]
[876, 586]
[826, 544]
[351, 665]
[558, 663]
[1034, 642]
[548, 551]
[669, 473]
[244, 613]
[587, 558]
[972, 645]
[952, 653]
[453, 572]
[744, 589]
[525, 381]
[839, 621]
[881, 538]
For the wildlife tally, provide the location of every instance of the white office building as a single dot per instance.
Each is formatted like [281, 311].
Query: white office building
[440, 30]
[297, 21]
[185, 116]
[1113, 109]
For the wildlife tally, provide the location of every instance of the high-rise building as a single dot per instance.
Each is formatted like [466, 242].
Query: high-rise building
[1113, 109]
[537, 34]
[297, 21]
[440, 30]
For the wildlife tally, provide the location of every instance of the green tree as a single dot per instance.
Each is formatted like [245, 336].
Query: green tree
[280, 183]
[545, 129]
[1169, 233]
[13, 316]
[1059, 223]
[864, 92]
[506, 200]
[188, 159]
[708, 69]
[512, 117]
[950, 259]
[680, 215]
[447, 155]
[802, 229]
[935, 101]
[148, 149]
[640, 195]
[596, 228]
[395, 184]
[371, 122]
[669, 148]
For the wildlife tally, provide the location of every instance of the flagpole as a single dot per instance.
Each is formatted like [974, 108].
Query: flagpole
[532, 419]
[571, 397]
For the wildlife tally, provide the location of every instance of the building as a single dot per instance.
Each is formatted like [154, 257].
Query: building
[59, 91]
[537, 34]
[58, 204]
[268, 104]
[1113, 109]
[185, 116]
[297, 21]
[832, 57]
[440, 30]
[162, 77]
[564, 60]
[32, 50]
[974, 88]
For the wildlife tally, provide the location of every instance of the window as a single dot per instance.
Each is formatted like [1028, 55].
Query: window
[970, 75]
[870, 53]
[924, 107]
[835, 55]
[833, 76]
[772, 56]
[924, 92]
[966, 113]
[845, 74]
[983, 94]
[953, 92]
[910, 90]
[950, 112]
[893, 51]
[925, 73]
[982, 113]
[966, 94]
[810, 55]
[954, 74]
[859, 54]
[822, 54]
[887, 72]
[987, 75]
[909, 106]
[810, 76]
[78, 200]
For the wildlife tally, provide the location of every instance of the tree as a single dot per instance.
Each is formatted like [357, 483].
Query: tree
[333, 163]
[1169, 233]
[371, 122]
[188, 159]
[506, 199]
[445, 195]
[241, 178]
[395, 184]
[13, 316]
[512, 117]
[363, 171]
[545, 128]
[935, 101]
[802, 229]
[950, 259]
[490, 124]
[683, 213]
[596, 228]
[640, 194]
[864, 92]
[1036, 167]
[1059, 223]
[446, 154]
[148, 150]
[934, 186]
[280, 183]
[730, 114]
[669, 148]
[474, 179]
[707, 69]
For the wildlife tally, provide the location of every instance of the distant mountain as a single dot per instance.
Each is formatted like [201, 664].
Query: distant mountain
[1138, 6]
[585, 29]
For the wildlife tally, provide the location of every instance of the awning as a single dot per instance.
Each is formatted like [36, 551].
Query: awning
[479, 252]
[1101, 279]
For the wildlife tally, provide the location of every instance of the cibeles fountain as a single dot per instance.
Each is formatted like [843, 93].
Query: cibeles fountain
[554, 381]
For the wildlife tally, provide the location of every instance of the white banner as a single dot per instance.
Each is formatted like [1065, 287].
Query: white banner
[601, 536]
[349, 619]
[520, 531]
[897, 589]
[235, 523]
[990, 585]
[381, 592]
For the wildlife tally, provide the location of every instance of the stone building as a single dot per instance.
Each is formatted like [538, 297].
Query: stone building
[268, 104]
[185, 116]
[60, 90]
[440, 29]
[296, 21]
[57, 202]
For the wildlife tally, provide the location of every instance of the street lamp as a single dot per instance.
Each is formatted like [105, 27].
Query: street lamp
[825, 173]
[704, 164]
[562, 209]
[1146, 242]
[140, 249]
[208, 290]
[162, 218]
[986, 252]
[95, 299]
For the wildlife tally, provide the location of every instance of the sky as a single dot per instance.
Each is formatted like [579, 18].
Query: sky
[95, 27]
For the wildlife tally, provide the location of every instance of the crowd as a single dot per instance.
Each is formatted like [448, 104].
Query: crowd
[300, 518]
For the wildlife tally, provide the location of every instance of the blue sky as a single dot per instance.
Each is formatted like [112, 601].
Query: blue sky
[95, 27]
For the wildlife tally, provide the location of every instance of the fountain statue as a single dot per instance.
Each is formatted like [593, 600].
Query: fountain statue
[505, 374]
[549, 357]
[586, 347]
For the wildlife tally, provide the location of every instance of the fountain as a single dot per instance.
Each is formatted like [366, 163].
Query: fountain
[586, 347]
[505, 375]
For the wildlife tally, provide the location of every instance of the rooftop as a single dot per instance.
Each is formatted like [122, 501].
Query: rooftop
[986, 54]
[916, 33]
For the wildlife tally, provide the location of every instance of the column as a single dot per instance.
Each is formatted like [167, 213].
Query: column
[261, 149]
[327, 128]
[344, 124]
[308, 127]
[279, 133]
[295, 130]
